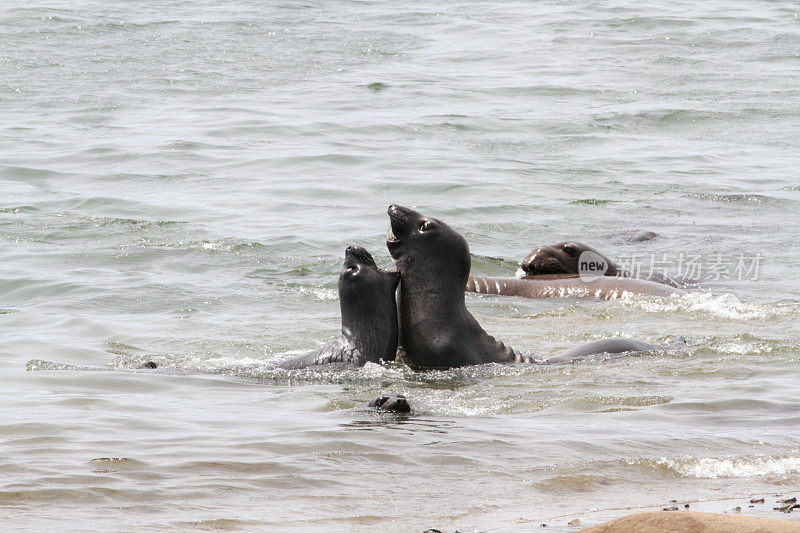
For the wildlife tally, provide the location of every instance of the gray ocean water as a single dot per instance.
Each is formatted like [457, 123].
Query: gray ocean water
[178, 182]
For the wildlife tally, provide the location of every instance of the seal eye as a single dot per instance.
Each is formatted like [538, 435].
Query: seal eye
[570, 250]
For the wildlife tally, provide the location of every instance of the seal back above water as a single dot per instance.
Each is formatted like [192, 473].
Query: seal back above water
[568, 286]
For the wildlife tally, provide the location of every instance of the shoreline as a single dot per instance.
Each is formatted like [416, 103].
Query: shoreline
[733, 507]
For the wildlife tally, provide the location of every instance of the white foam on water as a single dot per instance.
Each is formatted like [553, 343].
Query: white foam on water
[711, 468]
[745, 349]
[725, 306]
[325, 295]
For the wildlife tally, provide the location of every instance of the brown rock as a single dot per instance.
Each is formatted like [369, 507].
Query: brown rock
[787, 508]
[694, 522]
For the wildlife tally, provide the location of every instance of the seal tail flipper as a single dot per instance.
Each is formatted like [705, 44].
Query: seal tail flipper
[609, 346]
[339, 351]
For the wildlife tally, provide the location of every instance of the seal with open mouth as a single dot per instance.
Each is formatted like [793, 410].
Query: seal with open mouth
[369, 316]
[436, 329]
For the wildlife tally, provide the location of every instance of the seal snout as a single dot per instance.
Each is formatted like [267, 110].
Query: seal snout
[528, 263]
[532, 263]
[358, 254]
[401, 216]
[398, 218]
[543, 260]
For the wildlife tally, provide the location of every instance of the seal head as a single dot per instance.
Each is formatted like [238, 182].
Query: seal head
[396, 403]
[562, 258]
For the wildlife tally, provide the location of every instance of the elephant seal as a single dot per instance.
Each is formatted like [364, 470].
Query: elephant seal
[396, 403]
[436, 329]
[564, 258]
[369, 316]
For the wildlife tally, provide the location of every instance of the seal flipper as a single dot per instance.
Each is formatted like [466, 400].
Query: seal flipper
[338, 351]
[611, 346]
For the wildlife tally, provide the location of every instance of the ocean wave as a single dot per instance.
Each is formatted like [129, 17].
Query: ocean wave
[756, 198]
[325, 295]
[714, 468]
[725, 306]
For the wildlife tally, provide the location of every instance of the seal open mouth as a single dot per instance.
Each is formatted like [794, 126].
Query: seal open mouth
[398, 227]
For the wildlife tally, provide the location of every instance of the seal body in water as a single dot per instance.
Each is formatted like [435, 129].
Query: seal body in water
[641, 235]
[369, 316]
[436, 328]
[568, 286]
[565, 257]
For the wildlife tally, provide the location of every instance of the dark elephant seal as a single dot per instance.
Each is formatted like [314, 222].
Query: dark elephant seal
[396, 403]
[436, 329]
[369, 316]
[564, 258]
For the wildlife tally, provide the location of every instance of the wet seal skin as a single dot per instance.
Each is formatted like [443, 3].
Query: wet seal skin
[396, 403]
[369, 317]
[642, 235]
[147, 365]
[436, 328]
[564, 258]
[568, 286]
